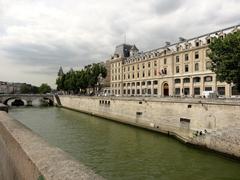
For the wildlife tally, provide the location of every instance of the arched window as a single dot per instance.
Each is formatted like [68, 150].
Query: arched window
[196, 79]
[208, 79]
[197, 67]
[177, 81]
[208, 65]
[186, 80]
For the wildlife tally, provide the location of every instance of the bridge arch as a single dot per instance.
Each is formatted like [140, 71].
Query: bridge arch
[28, 99]
[14, 98]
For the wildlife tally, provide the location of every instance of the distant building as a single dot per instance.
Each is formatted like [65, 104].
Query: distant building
[180, 69]
[11, 88]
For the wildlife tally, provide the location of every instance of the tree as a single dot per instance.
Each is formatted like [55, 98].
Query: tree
[25, 89]
[44, 88]
[225, 56]
[73, 81]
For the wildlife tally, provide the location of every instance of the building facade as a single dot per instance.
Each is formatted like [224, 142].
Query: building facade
[180, 69]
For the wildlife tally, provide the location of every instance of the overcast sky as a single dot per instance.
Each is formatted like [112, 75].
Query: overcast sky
[39, 36]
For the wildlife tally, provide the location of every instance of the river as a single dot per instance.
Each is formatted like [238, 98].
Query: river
[118, 151]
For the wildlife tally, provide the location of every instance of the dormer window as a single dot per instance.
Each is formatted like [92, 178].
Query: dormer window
[197, 43]
[208, 40]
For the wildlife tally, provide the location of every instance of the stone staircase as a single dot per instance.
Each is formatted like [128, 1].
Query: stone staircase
[58, 100]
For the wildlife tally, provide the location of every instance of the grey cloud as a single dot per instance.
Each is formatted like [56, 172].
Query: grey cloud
[163, 7]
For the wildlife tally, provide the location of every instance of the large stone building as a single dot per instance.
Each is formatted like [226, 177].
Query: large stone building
[180, 69]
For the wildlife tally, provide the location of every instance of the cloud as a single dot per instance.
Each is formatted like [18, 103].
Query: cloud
[166, 6]
[36, 37]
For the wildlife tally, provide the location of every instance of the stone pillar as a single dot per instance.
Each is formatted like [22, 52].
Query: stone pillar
[136, 89]
[191, 87]
[140, 88]
[202, 85]
[152, 87]
[181, 87]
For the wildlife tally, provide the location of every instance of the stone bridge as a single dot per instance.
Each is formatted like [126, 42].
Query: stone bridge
[29, 98]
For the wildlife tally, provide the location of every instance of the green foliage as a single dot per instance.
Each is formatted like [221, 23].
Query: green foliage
[25, 89]
[225, 56]
[82, 79]
[44, 88]
[28, 89]
[41, 177]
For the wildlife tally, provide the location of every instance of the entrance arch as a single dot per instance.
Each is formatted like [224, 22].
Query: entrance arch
[165, 89]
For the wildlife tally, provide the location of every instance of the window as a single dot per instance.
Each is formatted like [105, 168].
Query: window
[149, 73]
[133, 91]
[143, 65]
[149, 83]
[221, 91]
[196, 55]
[186, 68]
[208, 65]
[208, 41]
[133, 75]
[149, 64]
[138, 83]
[155, 63]
[197, 43]
[138, 66]
[177, 91]
[186, 80]
[124, 84]
[197, 67]
[138, 75]
[155, 82]
[124, 91]
[177, 81]
[143, 74]
[149, 91]
[197, 91]
[186, 57]
[143, 83]
[177, 59]
[186, 91]
[155, 91]
[165, 71]
[133, 68]
[128, 68]
[155, 72]
[177, 69]
[196, 79]
[138, 91]
[208, 79]
[208, 88]
[165, 61]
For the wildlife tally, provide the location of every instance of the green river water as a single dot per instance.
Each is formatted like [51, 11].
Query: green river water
[117, 151]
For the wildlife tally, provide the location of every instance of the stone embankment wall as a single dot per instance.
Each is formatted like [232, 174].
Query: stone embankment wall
[179, 117]
[3, 107]
[24, 155]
